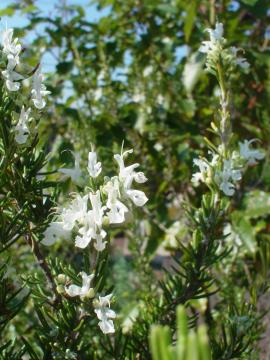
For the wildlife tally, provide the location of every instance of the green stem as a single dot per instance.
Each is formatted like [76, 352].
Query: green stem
[225, 124]
[212, 12]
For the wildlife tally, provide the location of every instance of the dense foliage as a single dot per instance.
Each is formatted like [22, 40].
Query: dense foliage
[96, 256]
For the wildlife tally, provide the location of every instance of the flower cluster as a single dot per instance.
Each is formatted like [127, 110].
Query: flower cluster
[12, 49]
[224, 173]
[216, 50]
[89, 215]
[11, 52]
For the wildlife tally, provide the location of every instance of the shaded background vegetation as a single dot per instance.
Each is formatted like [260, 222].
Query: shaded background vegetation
[136, 75]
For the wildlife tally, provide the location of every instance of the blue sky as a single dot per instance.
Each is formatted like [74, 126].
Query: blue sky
[47, 8]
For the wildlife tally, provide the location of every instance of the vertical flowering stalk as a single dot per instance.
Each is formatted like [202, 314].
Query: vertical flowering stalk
[225, 168]
[16, 136]
[192, 276]
[12, 49]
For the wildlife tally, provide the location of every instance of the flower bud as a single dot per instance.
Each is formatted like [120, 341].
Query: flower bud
[60, 289]
[61, 279]
[105, 221]
[90, 294]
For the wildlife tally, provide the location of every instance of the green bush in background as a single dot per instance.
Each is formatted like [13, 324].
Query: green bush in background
[136, 75]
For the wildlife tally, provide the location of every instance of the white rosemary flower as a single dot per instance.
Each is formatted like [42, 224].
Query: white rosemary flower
[12, 49]
[11, 76]
[90, 224]
[82, 291]
[105, 314]
[10, 46]
[242, 62]
[98, 209]
[251, 155]
[21, 129]
[203, 172]
[216, 50]
[94, 168]
[138, 197]
[84, 238]
[117, 209]
[76, 212]
[217, 33]
[213, 46]
[99, 244]
[54, 231]
[126, 177]
[97, 216]
[227, 177]
[39, 90]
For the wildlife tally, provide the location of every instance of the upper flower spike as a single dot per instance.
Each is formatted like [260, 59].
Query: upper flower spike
[10, 46]
[12, 50]
[216, 50]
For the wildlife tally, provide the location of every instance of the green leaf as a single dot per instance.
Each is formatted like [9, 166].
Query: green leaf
[203, 343]
[30, 350]
[182, 332]
[28, 9]
[167, 9]
[250, 2]
[192, 346]
[190, 19]
[7, 12]
[160, 342]
[64, 67]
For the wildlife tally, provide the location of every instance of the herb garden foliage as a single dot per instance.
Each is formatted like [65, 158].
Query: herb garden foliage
[152, 131]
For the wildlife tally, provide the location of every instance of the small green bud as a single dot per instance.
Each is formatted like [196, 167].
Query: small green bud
[106, 221]
[90, 294]
[61, 278]
[60, 289]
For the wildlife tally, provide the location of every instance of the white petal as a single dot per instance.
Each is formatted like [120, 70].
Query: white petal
[94, 168]
[100, 245]
[107, 327]
[73, 290]
[110, 313]
[227, 188]
[140, 177]
[53, 232]
[82, 241]
[138, 197]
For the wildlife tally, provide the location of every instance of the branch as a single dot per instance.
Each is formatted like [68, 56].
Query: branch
[44, 266]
